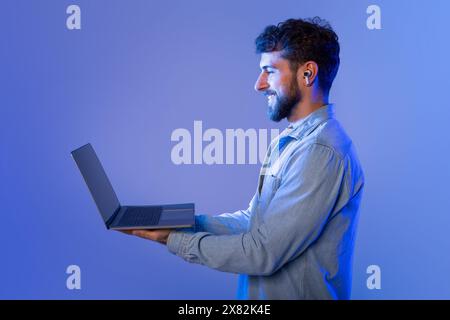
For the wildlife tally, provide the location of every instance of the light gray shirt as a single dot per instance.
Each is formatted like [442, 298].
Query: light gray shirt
[296, 239]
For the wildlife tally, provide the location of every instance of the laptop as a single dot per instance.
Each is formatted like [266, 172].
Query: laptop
[118, 217]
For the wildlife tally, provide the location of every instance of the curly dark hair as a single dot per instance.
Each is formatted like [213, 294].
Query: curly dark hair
[302, 40]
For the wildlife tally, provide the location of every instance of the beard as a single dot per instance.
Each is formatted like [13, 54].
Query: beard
[284, 104]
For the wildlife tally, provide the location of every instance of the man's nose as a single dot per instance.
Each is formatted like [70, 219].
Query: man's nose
[261, 83]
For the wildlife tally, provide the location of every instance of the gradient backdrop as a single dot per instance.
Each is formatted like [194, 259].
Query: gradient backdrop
[137, 70]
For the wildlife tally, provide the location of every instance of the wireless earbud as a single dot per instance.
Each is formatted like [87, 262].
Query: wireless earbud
[307, 74]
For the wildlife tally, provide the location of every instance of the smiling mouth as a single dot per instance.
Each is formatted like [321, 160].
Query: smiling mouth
[270, 97]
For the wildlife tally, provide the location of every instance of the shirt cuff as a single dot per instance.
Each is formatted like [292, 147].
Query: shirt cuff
[176, 242]
[178, 239]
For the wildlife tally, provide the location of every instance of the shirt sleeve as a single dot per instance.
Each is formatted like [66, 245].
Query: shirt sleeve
[294, 218]
[225, 223]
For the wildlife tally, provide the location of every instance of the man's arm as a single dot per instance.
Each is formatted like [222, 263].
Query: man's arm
[294, 219]
[225, 223]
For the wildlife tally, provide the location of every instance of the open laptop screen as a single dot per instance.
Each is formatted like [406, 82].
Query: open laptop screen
[98, 183]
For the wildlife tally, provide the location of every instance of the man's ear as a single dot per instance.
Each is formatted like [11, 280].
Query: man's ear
[307, 73]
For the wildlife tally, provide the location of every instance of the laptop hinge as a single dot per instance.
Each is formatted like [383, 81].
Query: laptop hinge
[111, 219]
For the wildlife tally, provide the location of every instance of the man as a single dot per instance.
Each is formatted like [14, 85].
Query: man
[296, 239]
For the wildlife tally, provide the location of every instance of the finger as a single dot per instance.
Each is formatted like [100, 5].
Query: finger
[144, 234]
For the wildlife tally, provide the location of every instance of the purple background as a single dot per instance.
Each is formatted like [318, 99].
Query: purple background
[137, 70]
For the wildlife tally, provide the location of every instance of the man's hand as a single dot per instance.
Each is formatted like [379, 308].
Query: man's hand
[159, 235]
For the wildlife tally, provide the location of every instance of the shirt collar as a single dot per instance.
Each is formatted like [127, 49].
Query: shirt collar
[304, 126]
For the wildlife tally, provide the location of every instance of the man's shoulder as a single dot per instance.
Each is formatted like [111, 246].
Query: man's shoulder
[328, 144]
[331, 134]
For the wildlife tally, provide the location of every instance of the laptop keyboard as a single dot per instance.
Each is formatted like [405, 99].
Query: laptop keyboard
[141, 216]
